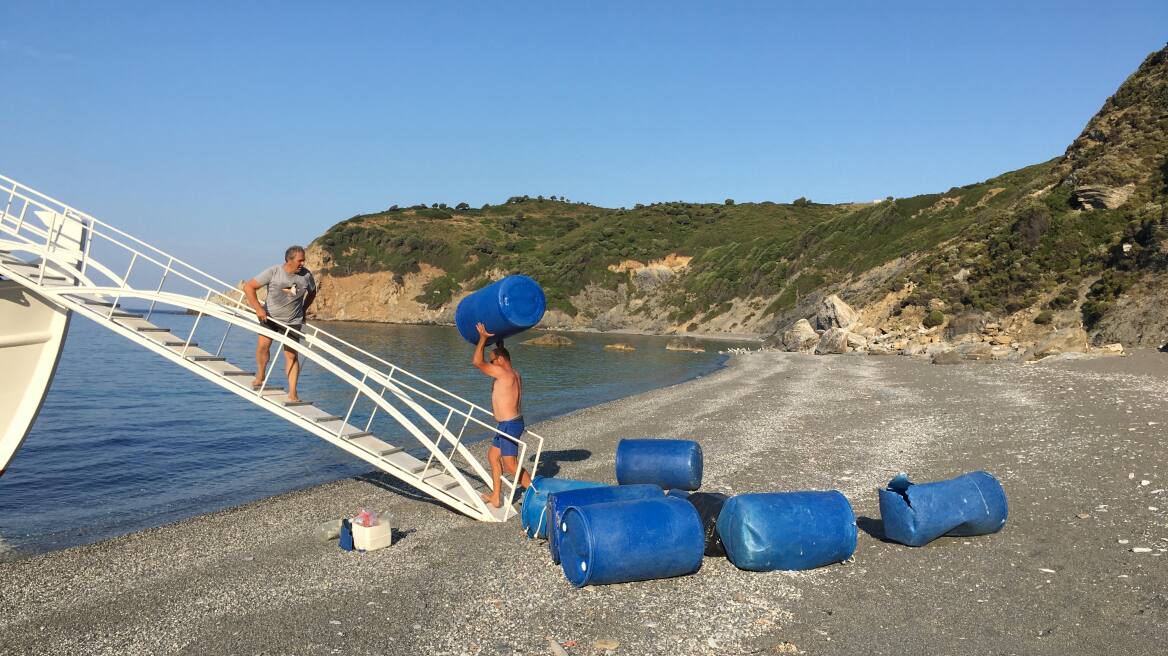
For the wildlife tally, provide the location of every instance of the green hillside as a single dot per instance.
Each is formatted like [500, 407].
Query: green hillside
[1052, 233]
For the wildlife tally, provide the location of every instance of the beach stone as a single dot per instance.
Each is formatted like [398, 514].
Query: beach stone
[619, 346]
[1066, 340]
[685, 344]
[937, 347]
[855, 341]
[1113, 349]
[1002, 340]
[833, 341]
[975, 351]
[799, 337]
[1001, 352]
[948, 357]
[881, 349]
[550, 340]
[913, 349]
[834, 313]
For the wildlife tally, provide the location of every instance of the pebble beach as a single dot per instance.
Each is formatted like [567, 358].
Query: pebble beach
[1080, 567]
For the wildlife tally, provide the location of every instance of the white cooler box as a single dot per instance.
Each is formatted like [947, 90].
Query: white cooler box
[370, 538]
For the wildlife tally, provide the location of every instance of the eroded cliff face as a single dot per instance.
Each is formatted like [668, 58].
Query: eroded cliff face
[382, 296]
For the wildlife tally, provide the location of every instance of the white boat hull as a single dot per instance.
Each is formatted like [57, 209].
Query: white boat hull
[32, 332]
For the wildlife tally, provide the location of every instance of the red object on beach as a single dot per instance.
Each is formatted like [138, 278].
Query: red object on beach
[365, 518]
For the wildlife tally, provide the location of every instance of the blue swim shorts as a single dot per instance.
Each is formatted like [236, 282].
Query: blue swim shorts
[513, 427]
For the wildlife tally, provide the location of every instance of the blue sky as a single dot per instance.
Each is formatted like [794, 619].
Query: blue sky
[224, 131]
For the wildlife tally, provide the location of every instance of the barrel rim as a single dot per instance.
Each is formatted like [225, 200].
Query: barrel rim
[588, 571]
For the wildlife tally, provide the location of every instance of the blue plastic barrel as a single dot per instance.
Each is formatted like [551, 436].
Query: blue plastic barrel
[505, 307]
[559, 501]
[787, 530]
[633, 540]
[533, 514]
[672, 464]
[918, 513]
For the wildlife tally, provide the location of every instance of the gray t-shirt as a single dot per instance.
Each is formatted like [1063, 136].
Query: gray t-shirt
[286, 293]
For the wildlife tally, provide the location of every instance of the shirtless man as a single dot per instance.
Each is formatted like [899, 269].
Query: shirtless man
[291, 289]
[506, 397]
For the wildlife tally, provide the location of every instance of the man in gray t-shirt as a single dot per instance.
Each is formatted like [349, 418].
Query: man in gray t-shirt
[291, 289]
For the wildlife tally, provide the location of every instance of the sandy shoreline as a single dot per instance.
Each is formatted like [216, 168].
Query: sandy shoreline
[1072, 442]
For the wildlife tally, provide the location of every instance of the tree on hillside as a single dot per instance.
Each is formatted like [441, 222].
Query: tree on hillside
[462, 206]
[729, 201]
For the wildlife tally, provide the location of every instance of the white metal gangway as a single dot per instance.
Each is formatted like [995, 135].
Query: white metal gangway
[86, 266]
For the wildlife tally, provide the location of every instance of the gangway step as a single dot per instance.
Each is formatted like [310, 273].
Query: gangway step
[177, 342]
[32, 271]
[95, 303]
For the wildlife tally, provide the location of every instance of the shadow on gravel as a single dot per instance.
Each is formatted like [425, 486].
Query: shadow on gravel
[391, 484]
[549, 462]
[873, 527]
[397, 535]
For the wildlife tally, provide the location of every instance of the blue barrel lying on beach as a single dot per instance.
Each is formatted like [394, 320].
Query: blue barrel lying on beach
[672, 464]
[558, 502]
[533, 515]
[918, 513]
[634, 540]
[505, 307]
[787, 530]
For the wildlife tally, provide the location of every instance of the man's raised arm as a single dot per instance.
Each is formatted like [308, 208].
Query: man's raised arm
[479, 360]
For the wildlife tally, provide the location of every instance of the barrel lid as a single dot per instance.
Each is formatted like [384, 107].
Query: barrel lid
[522, 301]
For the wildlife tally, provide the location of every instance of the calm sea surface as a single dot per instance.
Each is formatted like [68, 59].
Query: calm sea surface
[127, 441]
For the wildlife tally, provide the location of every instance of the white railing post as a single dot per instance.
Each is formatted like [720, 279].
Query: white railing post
[23, 211]
[161, 282]
[8, 207]
[345, 421]
[194, 327]
[125, 281]
[49, 247]
[224, 340]
[374, 413]
[86, 248]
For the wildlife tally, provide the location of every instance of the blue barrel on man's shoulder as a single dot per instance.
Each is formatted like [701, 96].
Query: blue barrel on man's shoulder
[505, 307]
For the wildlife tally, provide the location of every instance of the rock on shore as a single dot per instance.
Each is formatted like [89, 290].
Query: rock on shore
[550, 339]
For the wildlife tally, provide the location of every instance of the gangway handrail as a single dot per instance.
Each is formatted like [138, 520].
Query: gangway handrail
[320, 346]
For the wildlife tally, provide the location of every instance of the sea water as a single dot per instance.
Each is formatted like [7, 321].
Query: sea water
[127, 441]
